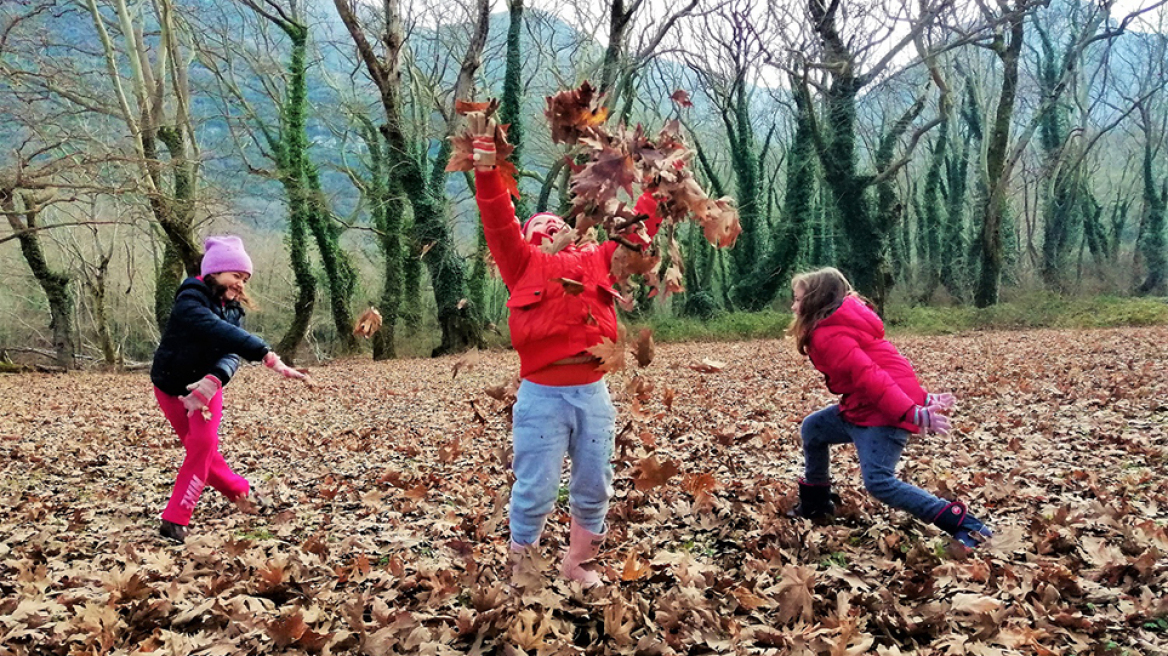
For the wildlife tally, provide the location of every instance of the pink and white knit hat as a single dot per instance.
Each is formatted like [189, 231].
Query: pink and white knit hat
[225, 253]
[535, 216]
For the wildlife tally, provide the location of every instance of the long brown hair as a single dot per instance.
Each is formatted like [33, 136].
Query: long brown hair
[217, 291]
[823, 292]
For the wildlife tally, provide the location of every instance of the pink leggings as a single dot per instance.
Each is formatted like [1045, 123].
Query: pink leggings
[203, 463]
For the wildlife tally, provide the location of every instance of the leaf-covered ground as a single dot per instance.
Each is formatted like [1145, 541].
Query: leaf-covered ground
[388, 533]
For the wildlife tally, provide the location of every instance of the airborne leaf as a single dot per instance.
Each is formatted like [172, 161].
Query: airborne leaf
[368, 323]
[653, 473]
[611, 354]
[681, 97]
[643, 349]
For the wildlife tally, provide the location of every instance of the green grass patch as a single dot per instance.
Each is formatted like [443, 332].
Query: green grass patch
[726, 327]
[1026, 312]
[1032, 311]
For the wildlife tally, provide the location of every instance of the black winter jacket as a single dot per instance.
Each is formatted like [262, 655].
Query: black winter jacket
[202, 337]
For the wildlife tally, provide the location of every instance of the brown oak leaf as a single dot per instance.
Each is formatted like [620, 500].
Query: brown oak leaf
[368, 323]
[611, 354]
[643, 349]
[652, 473]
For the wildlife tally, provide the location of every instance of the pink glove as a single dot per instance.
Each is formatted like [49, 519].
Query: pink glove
[482, 130]
[944, 400]
[273, 362]
[201, 394]
[929, 418]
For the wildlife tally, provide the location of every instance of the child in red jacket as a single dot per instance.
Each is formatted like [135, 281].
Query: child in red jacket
[881, 403]
[561, 305]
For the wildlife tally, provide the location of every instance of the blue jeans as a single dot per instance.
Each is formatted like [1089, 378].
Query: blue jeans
[548, 422]
[879, 449]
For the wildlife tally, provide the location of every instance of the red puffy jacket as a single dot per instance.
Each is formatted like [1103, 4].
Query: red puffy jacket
[547, 323]
[877, 384]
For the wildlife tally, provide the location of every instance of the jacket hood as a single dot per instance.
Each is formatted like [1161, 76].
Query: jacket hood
[854, 314]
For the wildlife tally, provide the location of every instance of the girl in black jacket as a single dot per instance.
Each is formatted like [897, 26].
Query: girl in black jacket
[199, 352]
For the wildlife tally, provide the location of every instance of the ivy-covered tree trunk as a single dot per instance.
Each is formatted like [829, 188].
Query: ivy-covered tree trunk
[168, 277]
[342, 279]
[990, 250]
[954, 264]
[175, 216]
[861, 260]
[931, 218]
[54, 283]
[305, 301]
[303, 174]
[511, 104]
[290, 149]
[1152, 242]
[748, 251]
[158, 87]
[388, 208]
[458, 319]
[412, 301]
[787, 243]
[889, 209]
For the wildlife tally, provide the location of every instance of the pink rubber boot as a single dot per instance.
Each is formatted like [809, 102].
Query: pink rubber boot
[583, 546]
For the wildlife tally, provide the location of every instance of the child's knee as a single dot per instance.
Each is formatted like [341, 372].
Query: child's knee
[813, 429]
[881, 487]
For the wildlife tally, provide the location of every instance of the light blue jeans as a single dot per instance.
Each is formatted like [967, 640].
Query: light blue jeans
[879, 449]
[548, 422]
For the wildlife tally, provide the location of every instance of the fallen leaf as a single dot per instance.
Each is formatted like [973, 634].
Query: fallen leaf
[708, 366]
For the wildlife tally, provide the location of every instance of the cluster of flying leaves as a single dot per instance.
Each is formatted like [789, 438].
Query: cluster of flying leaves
[387, 532]
[611, 167]
[368, 323]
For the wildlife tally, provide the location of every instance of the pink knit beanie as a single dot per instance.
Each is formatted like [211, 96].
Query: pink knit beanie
[225, 254]
[535, 216]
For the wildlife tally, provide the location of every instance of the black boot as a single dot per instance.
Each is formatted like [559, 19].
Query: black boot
[173, 532]
[955, 520]
[815, 500]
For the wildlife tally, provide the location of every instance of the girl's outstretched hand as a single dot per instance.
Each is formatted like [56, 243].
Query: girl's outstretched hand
[273, 362]
[929, 418]
[944, 400]
[201, 394]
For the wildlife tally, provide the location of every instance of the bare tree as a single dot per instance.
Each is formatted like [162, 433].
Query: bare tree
[383, 59]
[1002, 152]
[855, 45]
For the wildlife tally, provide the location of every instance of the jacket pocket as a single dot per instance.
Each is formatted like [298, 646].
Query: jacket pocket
[526, 297]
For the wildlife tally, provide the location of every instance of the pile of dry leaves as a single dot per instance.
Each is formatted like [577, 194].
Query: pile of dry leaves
[388, 534]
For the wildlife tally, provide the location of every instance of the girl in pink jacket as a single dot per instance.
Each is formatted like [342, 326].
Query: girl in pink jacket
[881, 403]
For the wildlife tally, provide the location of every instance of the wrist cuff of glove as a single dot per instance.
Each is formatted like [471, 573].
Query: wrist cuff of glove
[199, 395]
[920, 416]
[271, 359]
